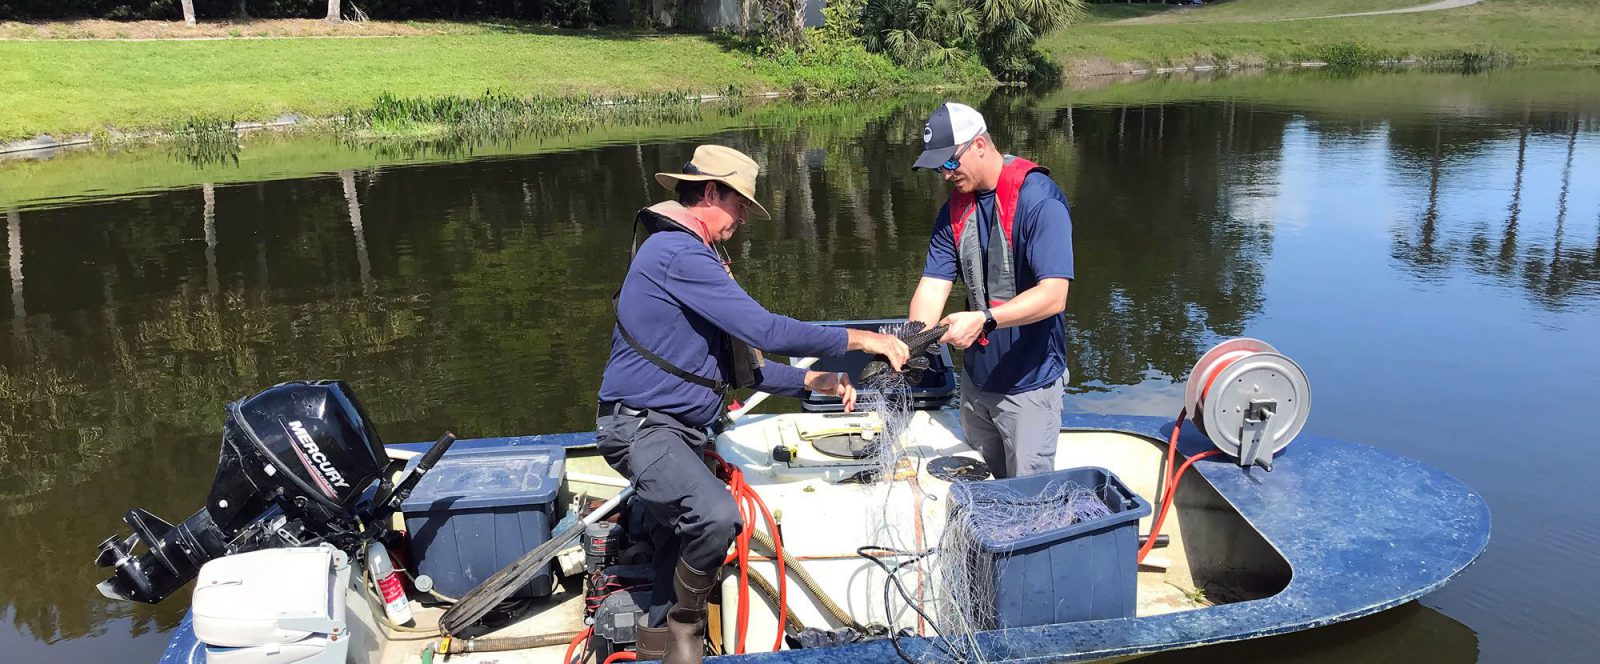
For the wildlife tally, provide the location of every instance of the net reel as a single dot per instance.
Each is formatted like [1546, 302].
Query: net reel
[1248, 399]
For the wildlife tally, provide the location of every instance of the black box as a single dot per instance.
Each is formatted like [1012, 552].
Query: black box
[615, 621]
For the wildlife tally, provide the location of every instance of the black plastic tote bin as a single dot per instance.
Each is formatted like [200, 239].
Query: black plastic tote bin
[1086, 571]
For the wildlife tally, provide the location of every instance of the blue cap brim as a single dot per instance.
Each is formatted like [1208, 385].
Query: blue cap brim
[934, 157]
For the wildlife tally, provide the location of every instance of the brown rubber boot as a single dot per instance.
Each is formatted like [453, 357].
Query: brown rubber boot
[651, 642]
[686, 622]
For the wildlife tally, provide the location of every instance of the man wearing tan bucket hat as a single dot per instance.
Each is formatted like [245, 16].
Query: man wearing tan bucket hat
[685, 335]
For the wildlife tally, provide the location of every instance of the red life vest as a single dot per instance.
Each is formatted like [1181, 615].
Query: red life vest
[997, 284]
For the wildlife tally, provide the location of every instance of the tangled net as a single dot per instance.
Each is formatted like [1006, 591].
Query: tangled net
[985, 523]
[888, 393]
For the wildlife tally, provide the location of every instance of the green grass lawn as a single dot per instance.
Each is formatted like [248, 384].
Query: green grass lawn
[75, 87]
[72, 87]
[1534, 31]
[81, 86]
[1118, 11]
[1262, 10]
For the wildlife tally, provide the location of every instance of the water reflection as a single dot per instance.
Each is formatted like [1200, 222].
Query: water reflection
[474, 295]
[1540, 259]
[1172, 221]
[1405, 634]
[19, 310]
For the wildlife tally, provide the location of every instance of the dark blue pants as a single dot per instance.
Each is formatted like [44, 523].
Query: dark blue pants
[692, 515]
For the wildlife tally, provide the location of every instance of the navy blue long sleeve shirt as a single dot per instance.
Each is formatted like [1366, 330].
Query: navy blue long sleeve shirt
[678, 301]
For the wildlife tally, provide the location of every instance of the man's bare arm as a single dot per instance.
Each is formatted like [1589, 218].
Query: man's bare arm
[927, 305]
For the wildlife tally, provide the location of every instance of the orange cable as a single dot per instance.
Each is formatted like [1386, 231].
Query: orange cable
[750, 508]
[1166, 480]
[1172, 479]
[573, 646]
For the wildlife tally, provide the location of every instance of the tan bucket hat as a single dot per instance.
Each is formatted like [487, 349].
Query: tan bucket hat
[723, 164]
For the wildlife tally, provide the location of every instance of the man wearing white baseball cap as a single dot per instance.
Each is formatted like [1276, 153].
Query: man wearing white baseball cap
[1006, 232]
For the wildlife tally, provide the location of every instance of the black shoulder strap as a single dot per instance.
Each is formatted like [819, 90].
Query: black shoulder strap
[715, 385]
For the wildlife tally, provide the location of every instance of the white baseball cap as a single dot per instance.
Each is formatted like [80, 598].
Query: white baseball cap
[951, 125]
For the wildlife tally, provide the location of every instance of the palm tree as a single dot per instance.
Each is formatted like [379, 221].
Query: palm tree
[188, 11]
[933, 32]
[333, 11]
[785, 21]
[920, 33]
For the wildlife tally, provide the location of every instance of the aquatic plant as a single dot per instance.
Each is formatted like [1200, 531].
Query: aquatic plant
[451, 122]
[1348, 55]
[205, 140]
[1470, 60]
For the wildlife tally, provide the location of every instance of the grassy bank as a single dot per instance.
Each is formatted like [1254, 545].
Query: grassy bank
[69, 87]
[269, 156]
[1267, 10]
[1251, 32]
[129, 170]
[75, 81]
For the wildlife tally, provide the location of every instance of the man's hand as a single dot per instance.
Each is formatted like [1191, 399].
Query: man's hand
[833, 384]
[964, 328]
[887, 345]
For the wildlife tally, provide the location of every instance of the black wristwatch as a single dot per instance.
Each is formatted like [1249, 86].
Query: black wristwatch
[989, 322]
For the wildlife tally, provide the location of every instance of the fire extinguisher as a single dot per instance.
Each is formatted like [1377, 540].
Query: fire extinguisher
[389, 588]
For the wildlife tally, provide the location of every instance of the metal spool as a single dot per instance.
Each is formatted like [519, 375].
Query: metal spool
[1248, 399]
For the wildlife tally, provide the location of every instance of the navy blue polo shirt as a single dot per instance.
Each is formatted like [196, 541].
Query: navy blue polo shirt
[1025, 357]
[678, 302]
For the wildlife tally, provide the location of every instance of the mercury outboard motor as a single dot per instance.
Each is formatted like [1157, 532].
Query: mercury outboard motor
[295, 466]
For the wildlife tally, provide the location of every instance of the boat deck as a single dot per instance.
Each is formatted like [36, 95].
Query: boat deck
[1336, 531]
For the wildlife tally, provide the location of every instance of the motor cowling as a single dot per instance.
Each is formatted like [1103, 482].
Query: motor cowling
[295, 465]
[310, 439]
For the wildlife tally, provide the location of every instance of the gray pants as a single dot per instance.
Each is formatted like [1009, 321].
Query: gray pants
[692, 515]
[1016, 433]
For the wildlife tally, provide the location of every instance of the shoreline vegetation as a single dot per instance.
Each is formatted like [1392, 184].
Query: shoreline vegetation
[132, 170]
[111, 83]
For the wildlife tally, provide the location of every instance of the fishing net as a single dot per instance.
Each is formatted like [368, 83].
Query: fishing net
[888, 394]
[959, 602]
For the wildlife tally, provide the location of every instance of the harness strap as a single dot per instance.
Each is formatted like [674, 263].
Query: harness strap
[717, 386]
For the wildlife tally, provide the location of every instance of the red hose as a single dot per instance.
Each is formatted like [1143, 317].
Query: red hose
[783, 585]
[1166, 479]
[622, 657]
[573, 646]
[752, 507]
[1171, 481]
[748, 515]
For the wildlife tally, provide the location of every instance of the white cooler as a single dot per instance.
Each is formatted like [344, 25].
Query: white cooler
[275, 606]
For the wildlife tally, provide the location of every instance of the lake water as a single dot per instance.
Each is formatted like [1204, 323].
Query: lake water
[1425, 245]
